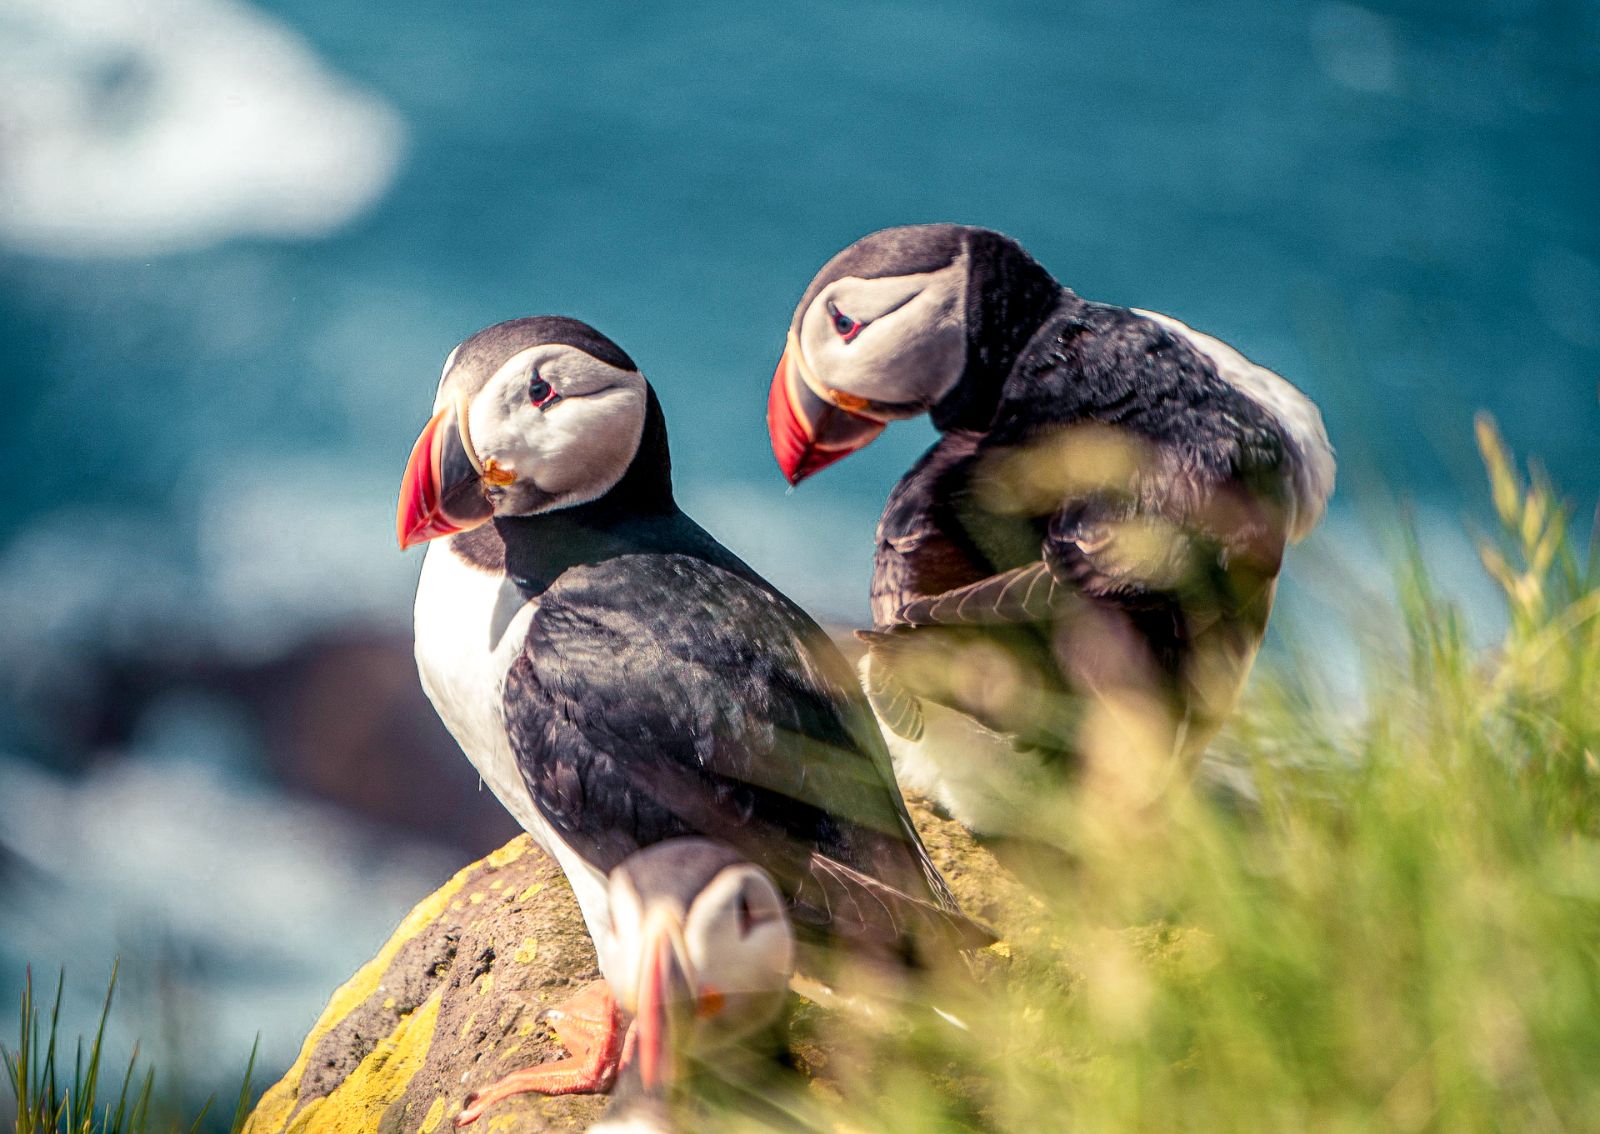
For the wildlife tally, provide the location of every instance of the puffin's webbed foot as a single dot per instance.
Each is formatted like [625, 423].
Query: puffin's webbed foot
[590, 1027]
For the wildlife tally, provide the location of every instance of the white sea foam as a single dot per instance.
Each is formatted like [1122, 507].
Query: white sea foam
[133, 129]
[296, 545]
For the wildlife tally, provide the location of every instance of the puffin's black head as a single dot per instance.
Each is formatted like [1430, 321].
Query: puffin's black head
[532, 415]
[917, 319]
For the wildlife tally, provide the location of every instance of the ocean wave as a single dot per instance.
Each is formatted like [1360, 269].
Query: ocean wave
[133, 129]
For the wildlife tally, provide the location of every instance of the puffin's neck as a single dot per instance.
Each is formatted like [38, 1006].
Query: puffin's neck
[1009, 296]
[536, 550]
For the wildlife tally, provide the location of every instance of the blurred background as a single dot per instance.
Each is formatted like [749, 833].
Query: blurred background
[237, 241]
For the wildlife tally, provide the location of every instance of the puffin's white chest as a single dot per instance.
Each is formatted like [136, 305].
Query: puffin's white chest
[470, 626]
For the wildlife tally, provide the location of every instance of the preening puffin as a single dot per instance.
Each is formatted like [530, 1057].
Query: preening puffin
[1076, 577]
[619, 678]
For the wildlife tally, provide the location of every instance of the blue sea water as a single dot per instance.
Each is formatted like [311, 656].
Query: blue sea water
[237, 242]
[1394, 206]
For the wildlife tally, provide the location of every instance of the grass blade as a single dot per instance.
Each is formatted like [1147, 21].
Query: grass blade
[241, 1109]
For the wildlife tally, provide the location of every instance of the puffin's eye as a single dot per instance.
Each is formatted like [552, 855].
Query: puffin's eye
[847, 327]
[540, 392]
[752, 915]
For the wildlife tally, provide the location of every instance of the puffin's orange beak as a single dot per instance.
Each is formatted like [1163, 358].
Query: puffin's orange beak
[664, 996]
[809, 433]
[442, 490]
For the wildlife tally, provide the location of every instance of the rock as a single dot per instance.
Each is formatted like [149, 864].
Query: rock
[450, 1003]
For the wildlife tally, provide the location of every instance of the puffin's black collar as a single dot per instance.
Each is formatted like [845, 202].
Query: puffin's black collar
[1009, 296]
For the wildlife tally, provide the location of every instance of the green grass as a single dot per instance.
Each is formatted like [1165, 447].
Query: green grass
[1400, 932]
[49, 1101]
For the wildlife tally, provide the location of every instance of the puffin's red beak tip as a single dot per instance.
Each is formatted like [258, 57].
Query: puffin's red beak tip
[419, 488]
[422, 514]
[807, 441]
[791, 440]
[654, 1039]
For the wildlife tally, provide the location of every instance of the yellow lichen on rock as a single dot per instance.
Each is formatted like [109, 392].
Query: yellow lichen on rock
[435, 1115]
[506, 855]
[356, 1106]
[451, 1003]
[440, 1010]
[273, 1111]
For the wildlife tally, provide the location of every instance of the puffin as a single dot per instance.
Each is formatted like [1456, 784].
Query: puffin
[1071, 584]
[618, 678]
[703, 951]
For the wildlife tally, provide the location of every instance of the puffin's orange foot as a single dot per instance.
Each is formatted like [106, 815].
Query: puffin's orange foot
[590, 1027]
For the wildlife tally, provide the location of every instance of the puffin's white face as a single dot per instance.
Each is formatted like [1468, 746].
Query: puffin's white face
[898, 343]
[741, 946]
[552, 427]
[700, 979]
[865, 351]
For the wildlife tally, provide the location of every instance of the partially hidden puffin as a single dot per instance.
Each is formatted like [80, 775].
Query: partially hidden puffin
[619, 678]
[1075, 578]
[704, 951]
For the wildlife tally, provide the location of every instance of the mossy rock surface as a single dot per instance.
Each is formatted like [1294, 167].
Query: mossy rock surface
[450, 1003]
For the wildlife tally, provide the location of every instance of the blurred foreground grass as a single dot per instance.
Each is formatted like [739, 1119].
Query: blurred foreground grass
[1398, 928]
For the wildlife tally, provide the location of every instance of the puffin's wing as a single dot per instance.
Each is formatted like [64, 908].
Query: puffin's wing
[1141, 589]
[662, 695]
[1025, 594]
[1105, 554]
[920, 549]
[897, 708]
[859, 907]
[1031, 594]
